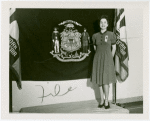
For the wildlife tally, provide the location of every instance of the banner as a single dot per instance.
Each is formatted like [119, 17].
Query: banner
[14, 49]
[121, 56]
[53, 44]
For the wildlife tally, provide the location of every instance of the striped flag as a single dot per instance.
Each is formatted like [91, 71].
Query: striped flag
[121, 56]
[14, 49]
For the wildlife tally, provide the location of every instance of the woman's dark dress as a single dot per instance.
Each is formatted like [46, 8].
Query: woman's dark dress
[103, 66]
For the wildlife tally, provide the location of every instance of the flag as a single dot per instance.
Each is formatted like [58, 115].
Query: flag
[121, 56]
[14, 49]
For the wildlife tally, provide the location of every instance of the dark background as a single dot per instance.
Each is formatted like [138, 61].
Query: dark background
[35, 33]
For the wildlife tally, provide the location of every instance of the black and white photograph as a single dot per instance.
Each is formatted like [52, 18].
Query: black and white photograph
[75, 58]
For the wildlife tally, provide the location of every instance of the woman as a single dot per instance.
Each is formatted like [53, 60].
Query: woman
[103, 66]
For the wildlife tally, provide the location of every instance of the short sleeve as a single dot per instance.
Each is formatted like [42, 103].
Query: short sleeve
[113, 39]
[93, 39]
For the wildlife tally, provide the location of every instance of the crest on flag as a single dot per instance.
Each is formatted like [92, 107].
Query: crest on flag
[67, 43]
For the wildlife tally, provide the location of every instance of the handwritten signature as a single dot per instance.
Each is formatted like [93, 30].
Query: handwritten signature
[56, 91]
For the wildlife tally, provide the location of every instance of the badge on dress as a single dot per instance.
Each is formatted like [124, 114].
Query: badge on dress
[106, 38]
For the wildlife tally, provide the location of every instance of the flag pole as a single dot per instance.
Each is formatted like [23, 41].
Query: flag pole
[10, 92]
[114, 100]
[114, 93]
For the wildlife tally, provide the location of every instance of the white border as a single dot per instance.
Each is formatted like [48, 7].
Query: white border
[67, 4]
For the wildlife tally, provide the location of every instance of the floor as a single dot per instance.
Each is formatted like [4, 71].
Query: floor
[134, 107]
[75, 107]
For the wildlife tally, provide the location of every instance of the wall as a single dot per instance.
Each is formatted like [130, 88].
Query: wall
[132, 87]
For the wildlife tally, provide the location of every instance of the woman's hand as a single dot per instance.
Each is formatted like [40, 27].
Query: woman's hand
[95, 47]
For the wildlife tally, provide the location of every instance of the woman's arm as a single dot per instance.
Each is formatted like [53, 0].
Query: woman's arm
[93, 39]
[113, 42]
[113, 50]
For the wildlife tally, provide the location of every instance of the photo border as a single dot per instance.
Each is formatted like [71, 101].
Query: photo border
[70, 4]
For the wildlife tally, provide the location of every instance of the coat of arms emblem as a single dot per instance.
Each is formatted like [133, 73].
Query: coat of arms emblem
[68, 45]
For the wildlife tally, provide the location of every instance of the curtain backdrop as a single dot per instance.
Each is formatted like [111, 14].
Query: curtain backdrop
[35, 35]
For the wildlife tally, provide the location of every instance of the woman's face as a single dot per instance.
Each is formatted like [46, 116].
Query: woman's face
[103, 24]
